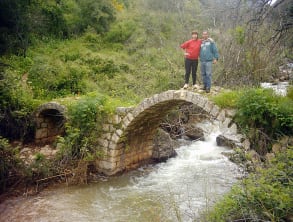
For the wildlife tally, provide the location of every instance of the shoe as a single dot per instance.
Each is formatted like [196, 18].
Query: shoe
[185, 86]
[194, 86]
[207, 90]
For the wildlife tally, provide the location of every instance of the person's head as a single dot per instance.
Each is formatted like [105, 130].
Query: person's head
[194, 34]
[205, 35]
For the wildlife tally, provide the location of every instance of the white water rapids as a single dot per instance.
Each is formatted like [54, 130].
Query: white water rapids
[180, 188]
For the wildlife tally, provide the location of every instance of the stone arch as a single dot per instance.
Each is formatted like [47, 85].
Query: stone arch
[132, 144]
[49, 119]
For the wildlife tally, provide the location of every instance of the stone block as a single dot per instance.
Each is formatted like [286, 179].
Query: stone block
[115, 152]
[103, 142]
[156, 98]
[170, 94]
[115, 138]
[189, 97]
[107, 165]
[123, 110]
[180, 95]
[106, 136]
[201, 101]
[106, 127]
[112, 145]
[130, 116]
[125, 123]
[116, 119]
[44, 125]
[119, 132]
[41, 133]
[208, 106]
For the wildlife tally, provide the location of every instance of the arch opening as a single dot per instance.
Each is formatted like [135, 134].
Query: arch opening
[138, 137]
[49, 125]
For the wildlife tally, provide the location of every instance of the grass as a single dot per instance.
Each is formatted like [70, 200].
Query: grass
[227, 99]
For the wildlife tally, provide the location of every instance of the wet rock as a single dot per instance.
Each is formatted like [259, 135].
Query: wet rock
[230, 141]
[163, 146]
[193, 132]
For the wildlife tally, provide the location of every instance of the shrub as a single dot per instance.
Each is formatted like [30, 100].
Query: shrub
[85, 120]
[262, 109]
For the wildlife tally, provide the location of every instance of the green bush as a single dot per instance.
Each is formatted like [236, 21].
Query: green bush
[265, 195]
[262, 109]
[82, 130]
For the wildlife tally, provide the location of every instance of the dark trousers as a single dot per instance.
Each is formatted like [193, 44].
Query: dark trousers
[190, 66]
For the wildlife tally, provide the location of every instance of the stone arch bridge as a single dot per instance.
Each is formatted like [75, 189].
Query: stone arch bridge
[127, 138]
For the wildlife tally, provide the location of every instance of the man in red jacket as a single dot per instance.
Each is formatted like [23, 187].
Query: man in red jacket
[191, 51]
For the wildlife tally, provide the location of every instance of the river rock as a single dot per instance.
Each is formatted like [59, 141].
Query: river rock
[254, 156]
[228, 140]
[193, 132]
[163, 146]
[276, 148]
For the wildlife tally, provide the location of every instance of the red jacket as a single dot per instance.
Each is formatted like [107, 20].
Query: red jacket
[192, 47]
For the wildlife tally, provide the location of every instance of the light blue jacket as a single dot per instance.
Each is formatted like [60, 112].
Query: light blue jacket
[208, 51]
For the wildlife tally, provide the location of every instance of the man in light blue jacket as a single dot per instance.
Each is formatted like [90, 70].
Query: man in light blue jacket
[208, 56]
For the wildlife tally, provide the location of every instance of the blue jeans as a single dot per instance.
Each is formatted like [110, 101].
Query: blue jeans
[206, 73]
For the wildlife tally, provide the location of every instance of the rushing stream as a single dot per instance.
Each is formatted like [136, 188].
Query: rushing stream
[182, 187]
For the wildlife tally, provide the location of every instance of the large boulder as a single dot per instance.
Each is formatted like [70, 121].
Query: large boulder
[193, 132]
[229, 140]
[163, 146]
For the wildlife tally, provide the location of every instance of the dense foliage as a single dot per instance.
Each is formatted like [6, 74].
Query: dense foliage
[264, 116]
[21, 22]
